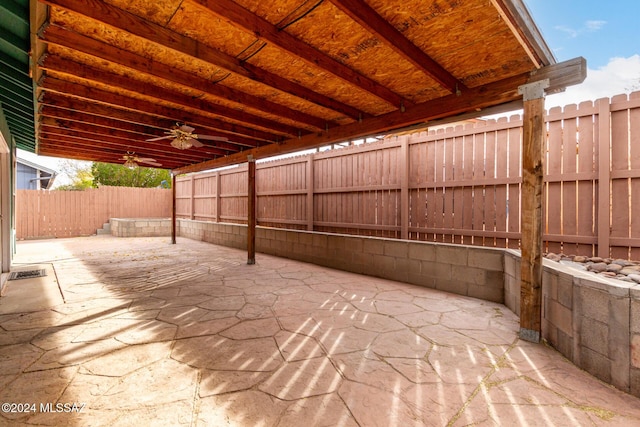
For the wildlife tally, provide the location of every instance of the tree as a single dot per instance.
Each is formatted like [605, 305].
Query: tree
[121, 176]
[79, 173]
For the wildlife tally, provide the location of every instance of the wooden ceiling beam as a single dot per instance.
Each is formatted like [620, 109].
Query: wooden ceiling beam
[74, 104]
[91, 94]
[54, 34]
[262, 29]
[127, 22]
[80, 116]
[50, 127]
[59, 149]
[137, 131]
[159, 93]
[127, 138]
[50, 139]
[363, 14]
[61, 100]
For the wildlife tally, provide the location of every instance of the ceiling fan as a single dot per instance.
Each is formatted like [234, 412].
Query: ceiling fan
[131, 160]
[184, 138]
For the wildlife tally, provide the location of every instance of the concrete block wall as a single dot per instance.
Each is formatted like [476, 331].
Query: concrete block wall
[140, 227]
[592, 321]
[470, 271]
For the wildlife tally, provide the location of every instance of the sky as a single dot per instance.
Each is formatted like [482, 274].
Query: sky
[606, 33]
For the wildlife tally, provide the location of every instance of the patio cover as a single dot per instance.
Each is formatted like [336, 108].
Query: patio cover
[273, 76]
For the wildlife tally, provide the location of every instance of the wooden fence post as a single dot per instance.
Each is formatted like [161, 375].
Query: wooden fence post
[604, 177]
[310, 189]
[192, 201]
[251, 211]
[531, 216]
[173, 209]
[403, 167]
[218, 198]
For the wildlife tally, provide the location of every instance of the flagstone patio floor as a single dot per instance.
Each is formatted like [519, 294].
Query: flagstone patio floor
[136, 331]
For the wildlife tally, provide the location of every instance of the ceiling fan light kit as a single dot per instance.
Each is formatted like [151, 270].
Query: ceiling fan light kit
[183, 137]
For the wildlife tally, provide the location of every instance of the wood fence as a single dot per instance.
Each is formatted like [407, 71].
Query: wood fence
[42, 213]
[459, 185]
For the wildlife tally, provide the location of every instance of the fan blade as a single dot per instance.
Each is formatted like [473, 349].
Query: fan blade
[196, 143]
[187, 129]
[146, 159]
[150, 163]
[160, 137]
[211, 137]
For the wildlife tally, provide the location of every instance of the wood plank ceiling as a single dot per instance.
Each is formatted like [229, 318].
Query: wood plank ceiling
[272, 77]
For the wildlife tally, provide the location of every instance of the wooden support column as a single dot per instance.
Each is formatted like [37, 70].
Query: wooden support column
[173, 209]
[251, 214]
[531, 218]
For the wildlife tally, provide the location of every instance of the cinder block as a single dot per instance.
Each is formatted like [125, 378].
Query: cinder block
[305, 238]
[373, 246]
[565, 290]
[486, 292]
[401, 269]
[596, 364]
[635, 316]
[456, 255]
[486, 258]
[422, 251]
[420, 280]
[335, 242]
[634, 382]
[384, 266]
[353, 244]
[397, 249]
[564, 344]
[595, 336]
[635, 351]
[510, 265]
[453, 286]
[320, 240]
[596, 304]
[436, 270]
[470, 275]
[558, 315]
[494, 279]
[550, 284]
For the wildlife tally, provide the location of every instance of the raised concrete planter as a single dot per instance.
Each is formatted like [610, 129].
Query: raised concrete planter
[140, 227]
[593, 321]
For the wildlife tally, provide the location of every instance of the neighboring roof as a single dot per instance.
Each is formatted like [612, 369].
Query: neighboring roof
[16, 87]
[37, 166]
[273, 77]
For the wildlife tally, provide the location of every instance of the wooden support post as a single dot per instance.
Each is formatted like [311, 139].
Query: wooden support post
[173, 209]
[251, 214]
[531, 218]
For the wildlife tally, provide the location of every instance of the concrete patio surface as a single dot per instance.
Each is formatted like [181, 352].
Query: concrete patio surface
[135, 331]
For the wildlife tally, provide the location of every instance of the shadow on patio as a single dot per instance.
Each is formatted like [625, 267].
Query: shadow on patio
[152, 333]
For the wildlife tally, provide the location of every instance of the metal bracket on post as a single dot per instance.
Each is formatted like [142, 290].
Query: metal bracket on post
[534, 90]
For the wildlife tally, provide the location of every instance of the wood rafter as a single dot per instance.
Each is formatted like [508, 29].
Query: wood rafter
[364, 15]
[264, 30]
[61, 37]
[144, 29]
